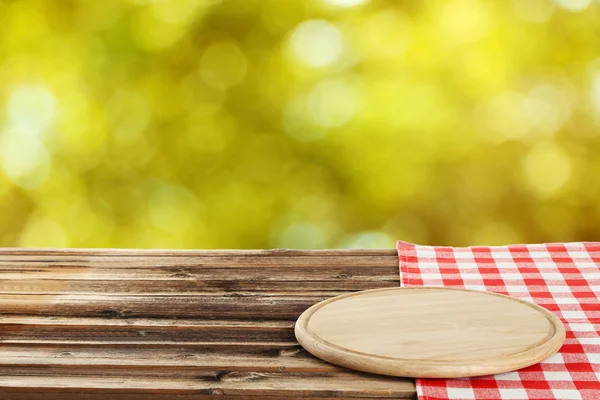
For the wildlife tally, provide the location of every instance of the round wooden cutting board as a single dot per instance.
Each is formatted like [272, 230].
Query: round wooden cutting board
[429, 332]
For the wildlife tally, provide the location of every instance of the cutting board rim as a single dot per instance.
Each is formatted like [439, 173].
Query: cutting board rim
[420, 368]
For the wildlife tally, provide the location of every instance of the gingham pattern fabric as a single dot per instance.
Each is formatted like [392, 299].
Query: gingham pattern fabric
[564, 278]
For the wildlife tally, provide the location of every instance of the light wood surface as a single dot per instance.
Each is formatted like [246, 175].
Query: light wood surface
[429, 332]
[154, 324]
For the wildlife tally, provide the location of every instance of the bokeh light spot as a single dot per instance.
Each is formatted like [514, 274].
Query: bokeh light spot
[42, 231]
[546, 108]
[223, 65]
[31, 108]
[595, 93]
[331, 103]
[154, 34]
[537, 11]
[317, 43]
[573, 5]
[25, 160]
[501, 116]
[84, 143]
[547, 169]
[464, 21]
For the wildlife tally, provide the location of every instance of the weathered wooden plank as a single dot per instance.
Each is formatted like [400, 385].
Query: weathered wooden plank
[327, 384]
[164, 332]
[47, 285]
[147, 334]
[259, 306]
[249, 274]
[203, 273]
[147, 322]
[64, 358]
[196, 261]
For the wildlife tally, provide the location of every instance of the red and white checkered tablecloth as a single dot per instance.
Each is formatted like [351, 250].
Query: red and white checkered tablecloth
[562, 277]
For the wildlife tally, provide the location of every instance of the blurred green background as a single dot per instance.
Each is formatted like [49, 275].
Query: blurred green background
[298, 123]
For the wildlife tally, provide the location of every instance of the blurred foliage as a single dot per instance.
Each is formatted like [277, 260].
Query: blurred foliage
[298, 123]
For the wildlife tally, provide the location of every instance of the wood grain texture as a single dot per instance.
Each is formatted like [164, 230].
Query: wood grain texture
[163, 324]
[430, 332]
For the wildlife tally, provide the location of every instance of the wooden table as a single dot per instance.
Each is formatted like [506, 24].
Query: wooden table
[132, 324]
